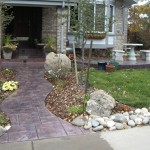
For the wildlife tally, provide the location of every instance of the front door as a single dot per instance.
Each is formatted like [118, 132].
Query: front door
[26, 25]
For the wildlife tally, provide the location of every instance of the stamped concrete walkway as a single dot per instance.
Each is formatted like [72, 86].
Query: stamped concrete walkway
[26, 107]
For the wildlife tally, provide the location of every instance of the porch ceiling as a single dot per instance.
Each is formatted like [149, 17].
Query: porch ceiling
[130, 2]
[39, 3]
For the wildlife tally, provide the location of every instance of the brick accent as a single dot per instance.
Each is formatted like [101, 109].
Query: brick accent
[52, 23]
[121, 34]
[49, 22]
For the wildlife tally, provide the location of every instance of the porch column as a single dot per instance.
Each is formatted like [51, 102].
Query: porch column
[61, 29]
[120, 24]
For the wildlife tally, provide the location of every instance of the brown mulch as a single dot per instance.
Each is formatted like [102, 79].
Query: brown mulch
[5, 75]
[67, 93]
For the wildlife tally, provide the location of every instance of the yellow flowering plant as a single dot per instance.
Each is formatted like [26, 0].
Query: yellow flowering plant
[10, 86]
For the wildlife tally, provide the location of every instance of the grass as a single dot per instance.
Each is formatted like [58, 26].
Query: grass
[131, 87]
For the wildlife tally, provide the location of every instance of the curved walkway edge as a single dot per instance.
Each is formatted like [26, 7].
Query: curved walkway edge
[26, 107]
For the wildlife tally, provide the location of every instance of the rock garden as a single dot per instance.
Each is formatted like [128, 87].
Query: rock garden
[103, 111]
[7, 86]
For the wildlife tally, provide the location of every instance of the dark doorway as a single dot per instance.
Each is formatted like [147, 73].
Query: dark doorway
[26, 26]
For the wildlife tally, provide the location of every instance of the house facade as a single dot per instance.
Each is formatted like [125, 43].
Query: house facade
[38, 19]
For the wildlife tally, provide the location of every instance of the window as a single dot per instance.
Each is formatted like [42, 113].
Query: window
[97, 17]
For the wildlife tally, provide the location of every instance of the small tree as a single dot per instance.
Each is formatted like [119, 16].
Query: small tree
[86, 22]
[5, 19]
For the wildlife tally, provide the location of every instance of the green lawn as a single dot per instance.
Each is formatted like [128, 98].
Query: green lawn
[128, 86]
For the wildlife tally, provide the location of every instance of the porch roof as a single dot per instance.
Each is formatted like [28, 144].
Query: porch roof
[44, 3]
[130, 2]
[39, 3]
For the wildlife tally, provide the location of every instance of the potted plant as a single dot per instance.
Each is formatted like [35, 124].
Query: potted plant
[8, 47]
[50, 45]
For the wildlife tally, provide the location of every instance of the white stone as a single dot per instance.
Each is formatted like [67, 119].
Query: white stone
[7, 127]
[98, 128]
[88, 125]
[146, 115]
[79, 121]
[127, 117]
[110, 124]
[95, 123]
[138, 121]
[138, 111]
[144, 111]
[131, 112]
[100, 104]
[119, 126]
[145, 120]
[131, 123]
[133, 117]
[112, 128]
[112, 117]
[125, 114]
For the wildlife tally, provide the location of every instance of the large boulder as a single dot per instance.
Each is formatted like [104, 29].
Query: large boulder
[100, 104]
[57, 62]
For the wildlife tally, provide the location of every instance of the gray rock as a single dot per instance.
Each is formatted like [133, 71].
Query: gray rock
[117, 117]
[95, 123]
[110, 124]
[138, 121]
[145, 120]
[133, 117]
[123, 119]
[119, 126]
[55, 62]
[98, 128]
[100, 104]
[88, 125]
[137, 111]
[131, 123]
[78, 122]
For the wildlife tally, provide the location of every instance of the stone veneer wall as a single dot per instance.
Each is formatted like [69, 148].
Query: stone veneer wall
[121, 34]
[52, 25]
[61, 22]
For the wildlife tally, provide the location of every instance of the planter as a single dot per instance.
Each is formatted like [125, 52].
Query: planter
[99, 36]
[110, 68]
[7, 55]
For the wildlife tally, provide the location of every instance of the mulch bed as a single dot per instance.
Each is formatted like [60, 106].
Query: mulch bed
[65, 93]
[68, 94]
[5, 75]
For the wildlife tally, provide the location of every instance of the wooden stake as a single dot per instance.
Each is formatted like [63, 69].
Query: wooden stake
[75, 63]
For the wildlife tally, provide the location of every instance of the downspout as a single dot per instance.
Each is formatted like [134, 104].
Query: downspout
[62, 28]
